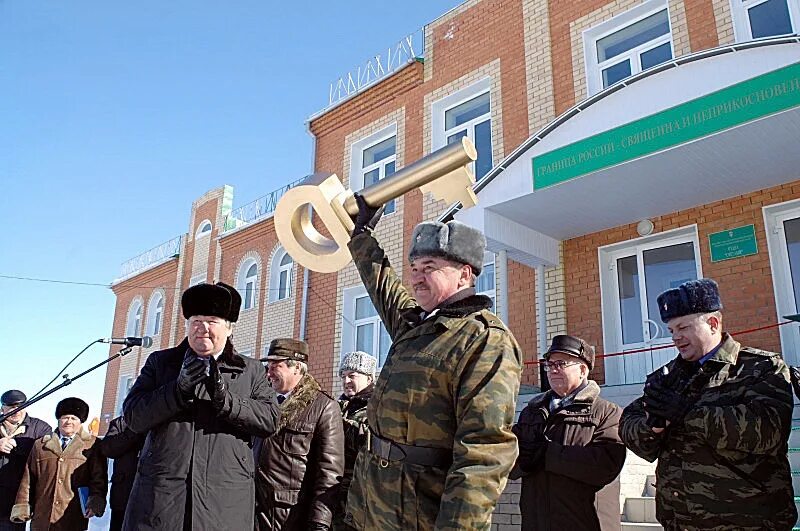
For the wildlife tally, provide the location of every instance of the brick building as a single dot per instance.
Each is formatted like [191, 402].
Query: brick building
[624, 146]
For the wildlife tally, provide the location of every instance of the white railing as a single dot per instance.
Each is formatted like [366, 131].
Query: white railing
[168, 249]
[263, 206]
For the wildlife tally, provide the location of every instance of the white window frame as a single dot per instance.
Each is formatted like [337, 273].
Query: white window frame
[197, 279]
[489, 258]
[275, 271]
[123, 388]
[594, 69]
[244, 280]
[350, 323]
[155, 317]
[203, 229]
[615, 367]
[440, 107]
[358, 170]
[133, 329]
[741, 21]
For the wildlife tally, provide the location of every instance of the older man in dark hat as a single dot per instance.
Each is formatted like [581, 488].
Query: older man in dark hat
[17, 434]
[300, 467]
[441, 445]
[570, 454]
[718, 419]
[59, 466]
[200, 404]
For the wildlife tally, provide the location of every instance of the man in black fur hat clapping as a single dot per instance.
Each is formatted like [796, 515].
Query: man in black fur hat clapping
[200, 403]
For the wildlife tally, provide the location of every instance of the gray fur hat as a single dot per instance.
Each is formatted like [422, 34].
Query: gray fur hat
[359, 361]
[452, 240]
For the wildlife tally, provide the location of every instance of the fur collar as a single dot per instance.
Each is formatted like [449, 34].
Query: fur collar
[302, 395]
[52, 441]
[357, 401]
[459, 308]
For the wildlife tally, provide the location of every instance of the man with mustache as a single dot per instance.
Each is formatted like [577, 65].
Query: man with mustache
[441, 444]
[718, 419]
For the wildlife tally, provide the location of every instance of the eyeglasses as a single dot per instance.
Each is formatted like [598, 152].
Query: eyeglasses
[559, 365]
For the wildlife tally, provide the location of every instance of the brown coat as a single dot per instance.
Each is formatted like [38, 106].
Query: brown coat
[48, 493]
[578, 487]
[299, 469]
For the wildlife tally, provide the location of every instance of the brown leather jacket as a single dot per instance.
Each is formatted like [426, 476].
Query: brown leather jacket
[299, 468]
[578, 487]
[48, 493]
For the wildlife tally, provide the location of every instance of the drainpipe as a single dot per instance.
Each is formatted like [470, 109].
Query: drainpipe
[542, 300]
[502, 279]
[304, 300]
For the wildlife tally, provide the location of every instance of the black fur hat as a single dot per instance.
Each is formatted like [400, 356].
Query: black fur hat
[693, 296]
[218, 300]
[73, 406]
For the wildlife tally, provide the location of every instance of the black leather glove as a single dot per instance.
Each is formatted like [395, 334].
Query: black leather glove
[217, 389]
[192, 373]
[318, 526]
[367, 218]
[794, 372]
[666, 403]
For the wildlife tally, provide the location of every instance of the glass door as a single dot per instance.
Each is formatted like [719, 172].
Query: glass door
[783, 239]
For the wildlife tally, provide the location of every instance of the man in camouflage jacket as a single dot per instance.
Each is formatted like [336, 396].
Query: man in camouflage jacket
[718, 421]
[441, 446]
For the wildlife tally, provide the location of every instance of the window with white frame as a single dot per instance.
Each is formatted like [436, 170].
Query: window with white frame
[197, 279]
[627, 44]
[485, 283]
[133, 324]
[373, 159]
[466, 113]
[125, 384]
[756, 19]
[362, 329]
[248, 283]
[155, 314]
[204, 229]
[280, 286]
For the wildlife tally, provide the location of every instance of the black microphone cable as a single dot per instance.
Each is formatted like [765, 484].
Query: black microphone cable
[43, 389]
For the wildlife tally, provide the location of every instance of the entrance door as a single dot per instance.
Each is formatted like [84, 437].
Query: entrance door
[783, 239]
[633, 275]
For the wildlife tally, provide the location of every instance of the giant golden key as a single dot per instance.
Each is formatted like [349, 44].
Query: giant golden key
[444, 173]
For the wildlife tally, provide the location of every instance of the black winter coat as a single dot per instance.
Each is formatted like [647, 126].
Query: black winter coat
[300, 467]
[196, 468]
[12, 465]
[123, 446]
[578, 487]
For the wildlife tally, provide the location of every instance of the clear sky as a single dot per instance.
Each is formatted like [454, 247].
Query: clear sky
[115, 116]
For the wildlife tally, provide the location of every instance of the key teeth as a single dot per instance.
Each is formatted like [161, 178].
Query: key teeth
[453, 187]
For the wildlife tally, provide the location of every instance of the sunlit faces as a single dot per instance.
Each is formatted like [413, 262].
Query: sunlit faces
[435, 279]
[208, 334]
[565, 379]
[69, 425]
[696, 335]
[354, 382]
[17, 417]
[282, 377]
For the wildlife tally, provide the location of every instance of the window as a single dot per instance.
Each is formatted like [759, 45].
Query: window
[484, 284]
[125, 384]
[633, 274]
[374, 158]
[466, 113]
[155, 314]
[628, 44]
[248, 283]
[280, 276]
[204, 229]
[133, 325]
[362, 329]
[756, 19]
[197, 279]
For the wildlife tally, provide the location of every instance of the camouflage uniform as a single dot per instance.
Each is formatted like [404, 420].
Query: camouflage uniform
[725, 466]
[450, 382]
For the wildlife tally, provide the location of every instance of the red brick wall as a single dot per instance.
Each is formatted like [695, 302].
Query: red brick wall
[522, 315]
[702, 24]
[745, 283]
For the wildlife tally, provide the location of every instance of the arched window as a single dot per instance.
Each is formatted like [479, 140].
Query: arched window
[134, 322]
[248, 283]
[204, 229]
[155, 314]
[280, 276]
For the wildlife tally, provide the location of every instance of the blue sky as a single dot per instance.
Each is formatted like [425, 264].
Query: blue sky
[115, 116]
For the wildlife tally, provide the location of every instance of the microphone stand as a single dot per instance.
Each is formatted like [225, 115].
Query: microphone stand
[66, 382]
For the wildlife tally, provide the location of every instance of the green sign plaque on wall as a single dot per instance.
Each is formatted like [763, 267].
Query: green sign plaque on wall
[733, 243]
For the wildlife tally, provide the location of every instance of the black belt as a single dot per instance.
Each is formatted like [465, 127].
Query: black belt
[416, 455]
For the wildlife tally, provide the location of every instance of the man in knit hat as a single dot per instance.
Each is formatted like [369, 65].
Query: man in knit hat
[357, 371]
[441, 414]
[718, 419]
[200, 404]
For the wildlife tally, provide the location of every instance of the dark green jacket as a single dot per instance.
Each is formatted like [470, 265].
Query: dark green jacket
[725, 467]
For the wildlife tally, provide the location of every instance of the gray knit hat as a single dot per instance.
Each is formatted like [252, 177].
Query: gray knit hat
[359, 362]
[452, 240]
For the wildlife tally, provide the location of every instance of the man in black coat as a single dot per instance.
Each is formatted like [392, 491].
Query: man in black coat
[200, 404]
[123, 446]
[17, 435]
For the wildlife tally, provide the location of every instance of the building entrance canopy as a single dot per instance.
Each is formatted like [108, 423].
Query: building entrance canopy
[700, 129]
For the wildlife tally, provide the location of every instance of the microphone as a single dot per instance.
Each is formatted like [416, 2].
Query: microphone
[145, 341]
